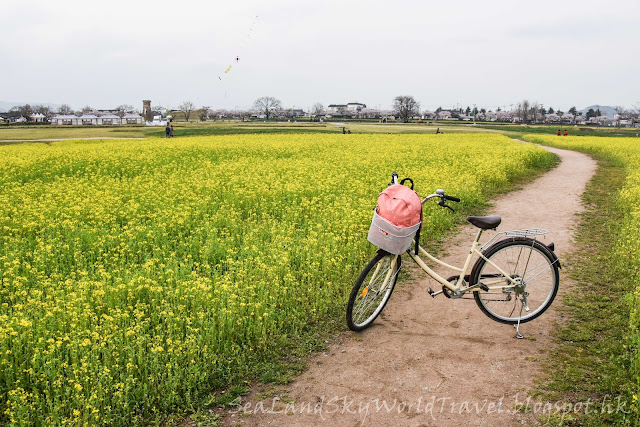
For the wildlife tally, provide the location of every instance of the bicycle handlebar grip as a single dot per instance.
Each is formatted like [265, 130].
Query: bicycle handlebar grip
[453, 199]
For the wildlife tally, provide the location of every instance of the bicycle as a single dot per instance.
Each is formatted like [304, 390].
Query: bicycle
[516, 269]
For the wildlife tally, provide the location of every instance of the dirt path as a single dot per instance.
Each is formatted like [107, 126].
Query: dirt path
[436, 362]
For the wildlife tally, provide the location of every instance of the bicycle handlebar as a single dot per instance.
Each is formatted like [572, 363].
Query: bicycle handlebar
[453, 199]
[440, 193]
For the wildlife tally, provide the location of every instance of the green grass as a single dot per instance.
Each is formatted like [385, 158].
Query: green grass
[35, 133]
[195, 127]
[588, 361]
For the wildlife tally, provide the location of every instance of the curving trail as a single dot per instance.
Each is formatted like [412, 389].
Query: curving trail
[437, 362]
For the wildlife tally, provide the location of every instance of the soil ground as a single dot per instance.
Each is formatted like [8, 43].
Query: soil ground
[436, 362]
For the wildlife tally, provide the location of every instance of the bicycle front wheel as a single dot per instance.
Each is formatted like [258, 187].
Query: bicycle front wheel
[535, 271]
[372, 290]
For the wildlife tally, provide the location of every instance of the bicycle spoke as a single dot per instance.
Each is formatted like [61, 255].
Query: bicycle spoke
[533, 272]
[371, 292]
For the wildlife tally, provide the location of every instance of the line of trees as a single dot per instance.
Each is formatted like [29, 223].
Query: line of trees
[405, 107]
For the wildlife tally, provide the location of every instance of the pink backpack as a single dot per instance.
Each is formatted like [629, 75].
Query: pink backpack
[400, 206]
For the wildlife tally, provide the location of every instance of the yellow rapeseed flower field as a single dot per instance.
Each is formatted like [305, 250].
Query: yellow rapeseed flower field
[136, 276]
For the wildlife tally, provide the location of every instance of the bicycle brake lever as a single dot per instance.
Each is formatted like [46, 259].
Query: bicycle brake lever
[444, 205]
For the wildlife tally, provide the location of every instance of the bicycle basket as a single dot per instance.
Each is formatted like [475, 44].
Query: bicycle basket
[390, 237]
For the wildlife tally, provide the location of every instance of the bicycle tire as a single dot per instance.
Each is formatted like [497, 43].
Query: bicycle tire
[377, 299]
[514, 256]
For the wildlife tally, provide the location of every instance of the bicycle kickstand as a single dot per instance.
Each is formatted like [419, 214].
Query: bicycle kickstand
[517, 326]
[518, 334]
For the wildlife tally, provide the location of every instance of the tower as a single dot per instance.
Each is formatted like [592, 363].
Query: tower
[146, 110]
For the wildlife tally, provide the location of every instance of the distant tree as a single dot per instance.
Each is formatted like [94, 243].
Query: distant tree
[591, 113]
[121, 110]
[560, 113]
[621, 113]
[158, 110]
[203, 113]
[84, 110]
[187, 107]
[467, 111]
[47, 112]
[317, 109]
[267, 105]
[634, 113]
[438, 110]
[288, 113]
[573, 110]
[598, 113]
[65, 109]
[522, 110]
[342, 111]
[406, 107]
[550, 111]
[483, 111]
[24, 110]
[534, 111]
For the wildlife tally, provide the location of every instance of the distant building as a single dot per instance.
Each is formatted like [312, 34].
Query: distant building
[38, 117]
[96, 120]
[351, 106]
[355, 106]
[335, 108]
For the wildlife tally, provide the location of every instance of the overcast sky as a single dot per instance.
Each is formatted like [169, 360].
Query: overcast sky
[492, 53]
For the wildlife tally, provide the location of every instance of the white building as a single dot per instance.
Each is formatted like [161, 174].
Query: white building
[96, 120]
[38, 117]
[351, 106]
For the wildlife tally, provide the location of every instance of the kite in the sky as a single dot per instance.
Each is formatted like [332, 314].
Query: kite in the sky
[242, 45]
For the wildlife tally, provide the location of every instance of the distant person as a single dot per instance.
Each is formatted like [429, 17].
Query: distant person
[566, 133]
[344, 131]
[171, 132]
[167, 131]
[438, 131]
[349, 132]
[559, 132]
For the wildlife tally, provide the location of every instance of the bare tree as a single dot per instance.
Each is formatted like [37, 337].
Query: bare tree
[187, 107]
[620, 112]
[203, 113]
[24, 110]
[65, 109]
[44, 110]
[121, 110]
[522, 110]
[406, 107]
[317, 109]
[534, 111]
[267, 105]
[84, 110]
[634, 113]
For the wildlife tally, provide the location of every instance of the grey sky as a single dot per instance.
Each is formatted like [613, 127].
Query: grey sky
[492, 53]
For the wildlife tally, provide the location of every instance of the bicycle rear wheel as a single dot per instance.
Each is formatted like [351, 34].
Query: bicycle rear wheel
[535, 270]
[372, 290]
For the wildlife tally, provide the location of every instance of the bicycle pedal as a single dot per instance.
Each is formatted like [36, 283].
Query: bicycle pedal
[484, 287]
[431, 292]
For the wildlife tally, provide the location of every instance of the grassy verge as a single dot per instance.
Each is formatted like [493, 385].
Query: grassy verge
[588, 362]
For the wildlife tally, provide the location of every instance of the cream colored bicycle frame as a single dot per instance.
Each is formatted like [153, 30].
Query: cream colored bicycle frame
[457, 287]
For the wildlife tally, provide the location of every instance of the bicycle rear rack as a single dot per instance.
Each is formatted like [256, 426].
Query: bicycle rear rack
[525, 232]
